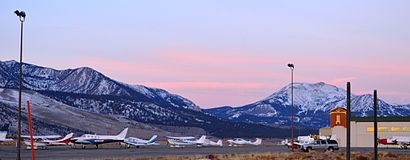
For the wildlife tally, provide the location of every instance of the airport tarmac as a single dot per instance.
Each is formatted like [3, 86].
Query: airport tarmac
[114, 151]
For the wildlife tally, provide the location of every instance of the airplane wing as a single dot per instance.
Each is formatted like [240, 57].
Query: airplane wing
[43, 137]
[140, 144]
[133, 139]
[180, 138]
[39, 144]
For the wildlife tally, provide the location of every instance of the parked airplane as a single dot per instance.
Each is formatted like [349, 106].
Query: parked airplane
[93, 139]
[240, 142]
[140, 142]
[402, 141]
[185, 141]
[208, 142]
[3, 135]
[42, 142]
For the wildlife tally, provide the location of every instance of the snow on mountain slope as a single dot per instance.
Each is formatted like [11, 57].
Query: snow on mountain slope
[173, 99]
[83, 80]
[308, 96]
[53, 117]
[92, 92]
[312, 105]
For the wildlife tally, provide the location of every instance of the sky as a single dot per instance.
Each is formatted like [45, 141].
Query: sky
[219, 53]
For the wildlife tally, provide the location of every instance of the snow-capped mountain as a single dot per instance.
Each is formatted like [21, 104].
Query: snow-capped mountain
[92, 92]
[53, 117]
[82, 80]
[312, 105]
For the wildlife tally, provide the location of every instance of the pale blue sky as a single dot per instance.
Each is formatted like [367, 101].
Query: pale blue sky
[220, 52]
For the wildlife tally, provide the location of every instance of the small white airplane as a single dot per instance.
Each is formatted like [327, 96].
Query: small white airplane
[3, 137]
[185, 141]
[241, 142]
[402, 141]
[140, 142]
[42, 142]
[93, 139]
[208, 142]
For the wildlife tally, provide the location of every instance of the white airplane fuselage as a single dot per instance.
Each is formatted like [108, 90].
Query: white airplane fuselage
[93, 139]
[43, 143]
[96, 139]
[241, 142]
[208, 142]
[141, 142]
[185, 141]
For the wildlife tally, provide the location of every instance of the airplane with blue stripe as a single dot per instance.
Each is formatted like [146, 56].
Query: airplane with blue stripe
[141, 142]
[93, 139]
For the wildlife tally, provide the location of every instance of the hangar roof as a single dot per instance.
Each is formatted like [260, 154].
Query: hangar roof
[381, 119]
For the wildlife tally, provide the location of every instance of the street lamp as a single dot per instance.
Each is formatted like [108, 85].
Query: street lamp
[291, 66]
[22, 16]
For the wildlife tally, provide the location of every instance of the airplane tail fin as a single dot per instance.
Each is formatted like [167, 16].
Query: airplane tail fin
[3, 135]
[123, 133]
[257, 142]
[202, 139]
[219, 143]
[382, 141]
[153, 139]
[67, 138]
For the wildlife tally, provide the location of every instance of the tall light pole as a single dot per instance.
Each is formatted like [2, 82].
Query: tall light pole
[22, 17]
[291, 66]
[375, 105]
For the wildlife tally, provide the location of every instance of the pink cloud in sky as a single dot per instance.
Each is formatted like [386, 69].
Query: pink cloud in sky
[216, 58]
[244, 77]
[183, 66]
[341, 81]
[204, 85]
[395, 96]
[216, 53]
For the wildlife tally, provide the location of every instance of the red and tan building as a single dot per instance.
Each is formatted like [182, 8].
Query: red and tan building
[338, 117]
[362, 128]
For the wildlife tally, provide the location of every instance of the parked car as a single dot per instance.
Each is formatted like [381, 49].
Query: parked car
[320, 145]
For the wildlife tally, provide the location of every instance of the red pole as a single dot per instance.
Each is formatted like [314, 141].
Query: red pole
[30, 124]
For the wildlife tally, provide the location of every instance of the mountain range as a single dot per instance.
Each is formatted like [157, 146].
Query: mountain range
[89, 90]
[312, 105]
[102, 101]
[53, 117]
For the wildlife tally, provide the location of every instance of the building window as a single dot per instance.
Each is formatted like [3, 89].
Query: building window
[338, 119]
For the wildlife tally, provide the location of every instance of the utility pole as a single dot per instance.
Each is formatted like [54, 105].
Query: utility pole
[375, 104]
[291, 66]
[22, 16]
[348, 116]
